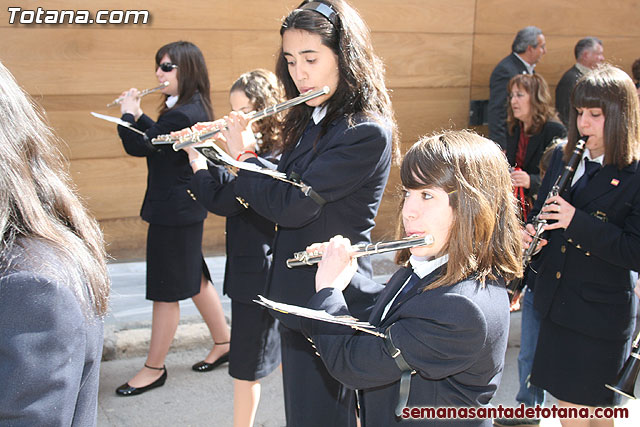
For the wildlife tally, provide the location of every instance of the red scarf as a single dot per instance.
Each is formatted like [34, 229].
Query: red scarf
[521, 153]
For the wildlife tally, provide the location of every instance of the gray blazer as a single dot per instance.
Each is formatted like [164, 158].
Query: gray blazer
[50, 347]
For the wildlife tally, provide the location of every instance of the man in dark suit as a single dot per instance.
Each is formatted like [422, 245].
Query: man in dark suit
[589, 53]
[527, 49]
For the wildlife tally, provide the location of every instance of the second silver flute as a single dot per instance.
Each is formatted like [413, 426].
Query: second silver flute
[198, 136]
[304, 258]
[143, 93]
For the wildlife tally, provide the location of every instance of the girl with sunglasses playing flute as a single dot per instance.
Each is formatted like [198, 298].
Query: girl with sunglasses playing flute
[175, 266]
[446, 311]
[341, 145]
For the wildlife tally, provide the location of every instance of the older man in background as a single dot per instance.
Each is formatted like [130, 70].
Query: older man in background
[527, 49]
[589, 52]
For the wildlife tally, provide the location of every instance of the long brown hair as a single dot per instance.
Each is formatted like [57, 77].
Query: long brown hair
[37, 202]
[611, 89]
[193, 76]
[484, 240]
[542, 110]
[361, 86]
[263, 90]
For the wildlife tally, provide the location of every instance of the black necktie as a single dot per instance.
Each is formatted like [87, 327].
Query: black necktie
[590, 169]
[413, 280]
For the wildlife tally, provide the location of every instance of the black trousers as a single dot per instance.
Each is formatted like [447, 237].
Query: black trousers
[312, 397]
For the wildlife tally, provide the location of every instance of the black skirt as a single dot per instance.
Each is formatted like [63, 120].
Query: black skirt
[575, 367]
[255, 342]
[174, 262]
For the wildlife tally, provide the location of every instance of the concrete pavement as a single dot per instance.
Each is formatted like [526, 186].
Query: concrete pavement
[205, 399]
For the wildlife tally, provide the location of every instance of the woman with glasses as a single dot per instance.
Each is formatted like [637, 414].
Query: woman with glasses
[533, 124]
[175, 267]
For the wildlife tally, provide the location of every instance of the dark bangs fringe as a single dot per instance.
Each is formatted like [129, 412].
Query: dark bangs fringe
[420, 170]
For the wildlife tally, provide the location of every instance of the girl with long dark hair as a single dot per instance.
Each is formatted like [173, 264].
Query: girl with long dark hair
[175, 266]
[341, 144]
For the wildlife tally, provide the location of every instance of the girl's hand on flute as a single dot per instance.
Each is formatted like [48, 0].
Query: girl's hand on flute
[337, 266]
[206, 127]
[238, 134]
[131, 103]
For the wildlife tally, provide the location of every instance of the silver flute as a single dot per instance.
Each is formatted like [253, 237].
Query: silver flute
[143, 93]
[194, 137]
[362, 249]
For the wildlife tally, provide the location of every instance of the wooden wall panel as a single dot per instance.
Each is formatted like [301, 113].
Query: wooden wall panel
[180, 14]
[438, 56]
[425, 110]
[446, 64]
[434, 16]
[87, 137]
[418, 16]
[113, 187]
[101, 64]
[570, 18]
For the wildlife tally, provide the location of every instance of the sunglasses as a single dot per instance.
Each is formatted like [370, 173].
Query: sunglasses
[167, 66]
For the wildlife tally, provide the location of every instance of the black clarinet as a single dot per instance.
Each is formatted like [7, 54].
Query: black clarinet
[538, 223]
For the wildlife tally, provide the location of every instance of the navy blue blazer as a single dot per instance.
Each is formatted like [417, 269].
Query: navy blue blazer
[584, 277]
[455, 337]
[248, 235]
[497, 115]
[537, 144]
[166, 201]
[50, 346]
[348, 167]
[563, 92]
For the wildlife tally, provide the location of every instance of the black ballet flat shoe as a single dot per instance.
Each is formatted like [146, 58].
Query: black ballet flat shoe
[206, 367]
[127, 390]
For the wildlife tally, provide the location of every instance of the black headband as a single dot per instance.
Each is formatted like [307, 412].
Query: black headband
[323, 9]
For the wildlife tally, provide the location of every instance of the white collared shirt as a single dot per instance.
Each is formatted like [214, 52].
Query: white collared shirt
[526, 64]
[582, 68]
[318, 114]
[580, 168]
[422, 267]
[171, 101]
